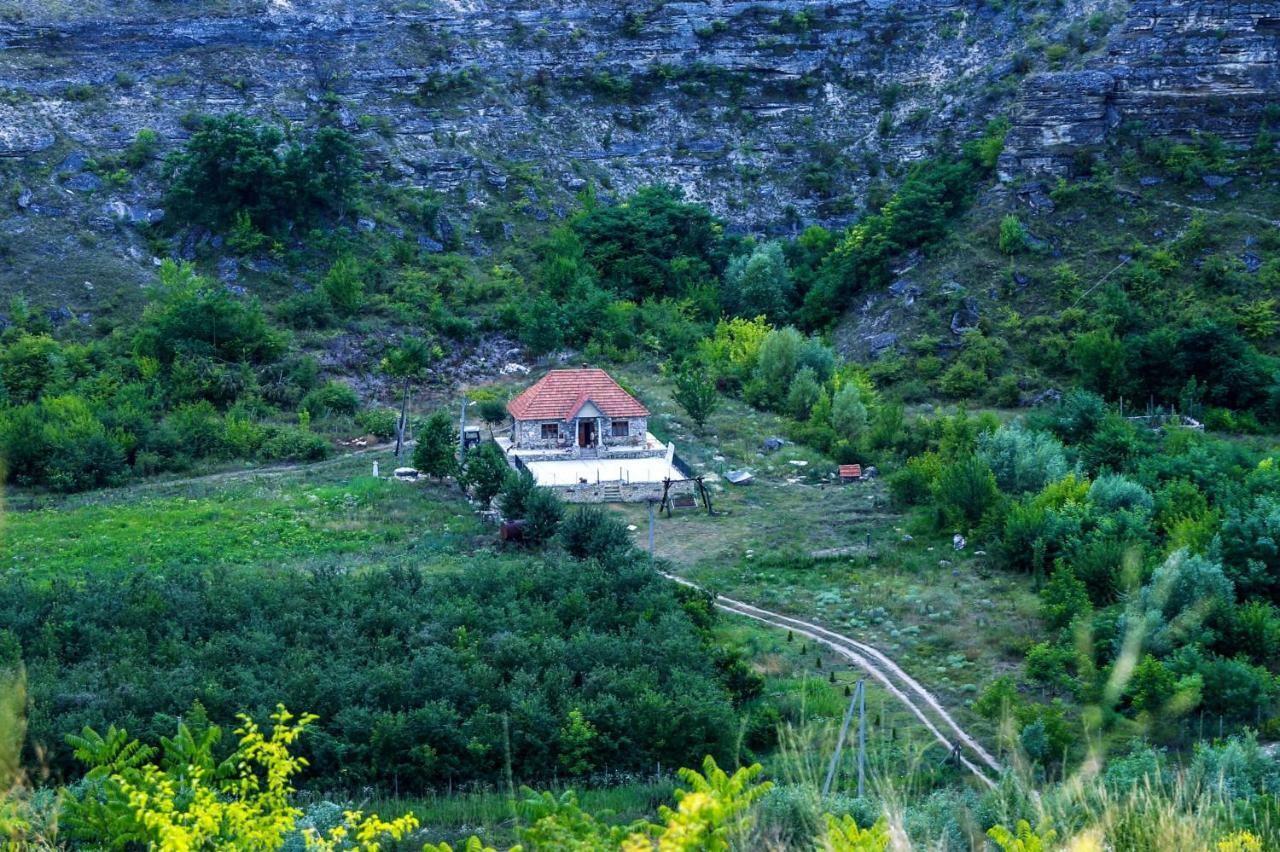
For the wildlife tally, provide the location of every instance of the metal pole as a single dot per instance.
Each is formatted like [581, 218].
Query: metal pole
[462, 429]
[862, 734]
[844, 731]
[650, 502]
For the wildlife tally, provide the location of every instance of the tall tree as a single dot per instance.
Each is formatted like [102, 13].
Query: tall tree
[433, 454]
[696, 394]
[408, 362]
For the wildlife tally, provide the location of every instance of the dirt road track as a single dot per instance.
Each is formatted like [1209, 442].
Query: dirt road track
[906, 689]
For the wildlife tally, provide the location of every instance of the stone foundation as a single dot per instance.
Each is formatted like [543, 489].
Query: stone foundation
[619, 492]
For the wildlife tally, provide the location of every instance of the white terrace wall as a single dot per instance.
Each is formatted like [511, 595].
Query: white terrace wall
[618, 492]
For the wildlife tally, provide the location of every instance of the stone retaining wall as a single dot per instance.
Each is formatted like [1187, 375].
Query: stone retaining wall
[618, 492]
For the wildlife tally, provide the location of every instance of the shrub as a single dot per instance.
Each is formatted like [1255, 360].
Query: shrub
[1022, 459]
[290, 443]
[331, 398]
[378, 422]
[965, 492]
[1064, 599]
[543, 511]
[142, 149]
[1013, 236]
[198, 428]
[515, 493]
[344, 285]
[591, 532]
[1115, 493]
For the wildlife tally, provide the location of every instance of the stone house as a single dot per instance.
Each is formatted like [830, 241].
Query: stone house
[578, 408]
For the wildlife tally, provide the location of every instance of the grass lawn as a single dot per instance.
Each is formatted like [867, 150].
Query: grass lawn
[334, 512]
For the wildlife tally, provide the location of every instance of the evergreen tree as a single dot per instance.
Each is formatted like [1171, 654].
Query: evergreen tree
[434, 454]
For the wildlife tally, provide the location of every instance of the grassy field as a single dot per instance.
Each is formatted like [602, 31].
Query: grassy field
[332, 512]
[798, 542]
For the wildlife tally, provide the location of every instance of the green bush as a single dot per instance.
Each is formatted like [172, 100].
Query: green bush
[591, 532]
[1013, 236]
[485, 472]
[344, 285]
[965, 492]
[289, 443]
[379, 422]
[543, 512]
[1022, 459]
[332, 398]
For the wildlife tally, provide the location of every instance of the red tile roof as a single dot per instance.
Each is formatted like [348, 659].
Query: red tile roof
[560, 394]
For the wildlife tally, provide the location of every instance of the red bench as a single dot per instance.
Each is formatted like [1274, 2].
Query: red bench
[850, 472]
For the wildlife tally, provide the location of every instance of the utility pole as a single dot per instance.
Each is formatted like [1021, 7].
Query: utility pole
[462, 429]
[862, 734]
[858, 700]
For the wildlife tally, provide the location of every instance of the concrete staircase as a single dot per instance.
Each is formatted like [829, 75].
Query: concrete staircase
[610, 492]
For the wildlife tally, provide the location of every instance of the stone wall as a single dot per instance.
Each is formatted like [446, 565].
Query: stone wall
[527, 434]
[619, 492]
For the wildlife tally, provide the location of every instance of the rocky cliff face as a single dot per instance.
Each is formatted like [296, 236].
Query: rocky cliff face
[1169, 69]
[776, 113]
[773, 112]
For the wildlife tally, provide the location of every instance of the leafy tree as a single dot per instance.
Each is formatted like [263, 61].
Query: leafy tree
[758, 284]
[1248, 544]
[804, 393]
[849, 413]
[1151, 685]
[776, 365]
[1022, 460]
[635, 245]
[437, 444]
[543, 511]
[577, 743]
[485, 472]
[514, 497]
[1101, 358]
[1064, 598]
[541, 325]
[408, 362]
[696, 394]
[235, 164]
[492, 412]
[966, 491]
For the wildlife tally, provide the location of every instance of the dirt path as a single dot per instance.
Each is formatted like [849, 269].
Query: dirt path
[906, 689]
